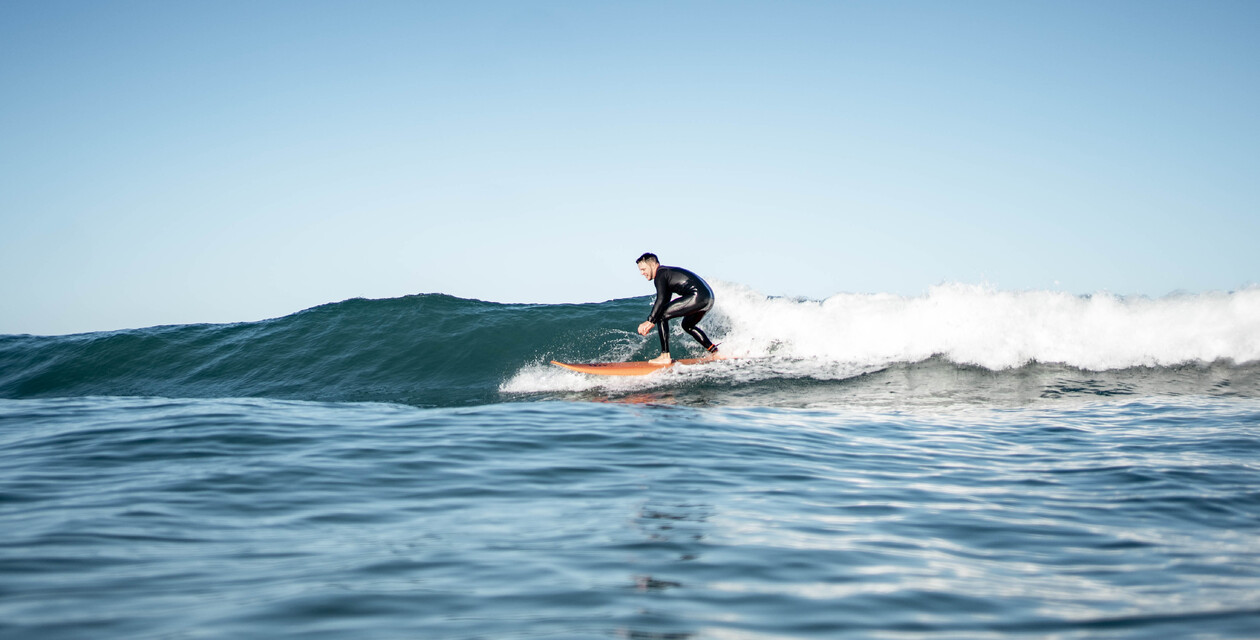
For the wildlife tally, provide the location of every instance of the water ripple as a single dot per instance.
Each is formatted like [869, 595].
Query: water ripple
[152, 518]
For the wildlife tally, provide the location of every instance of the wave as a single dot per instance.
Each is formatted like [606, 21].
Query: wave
[428, 350]
[439, 350]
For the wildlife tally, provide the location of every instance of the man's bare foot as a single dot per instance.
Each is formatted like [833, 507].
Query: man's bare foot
[661, 359]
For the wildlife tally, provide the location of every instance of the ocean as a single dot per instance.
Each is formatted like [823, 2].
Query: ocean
[967, 463]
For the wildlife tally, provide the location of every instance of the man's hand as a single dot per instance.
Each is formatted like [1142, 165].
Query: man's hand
[646, 327]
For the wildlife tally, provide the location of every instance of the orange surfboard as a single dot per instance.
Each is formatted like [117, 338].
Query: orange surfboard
[637, 368]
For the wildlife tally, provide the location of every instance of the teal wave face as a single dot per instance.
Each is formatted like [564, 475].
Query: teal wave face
[428, 350]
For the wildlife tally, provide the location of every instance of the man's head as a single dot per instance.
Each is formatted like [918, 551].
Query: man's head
[648, 265]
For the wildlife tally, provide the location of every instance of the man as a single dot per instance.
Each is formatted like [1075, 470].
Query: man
[696, 298]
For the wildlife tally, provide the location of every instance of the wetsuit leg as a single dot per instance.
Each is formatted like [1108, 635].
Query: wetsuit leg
[691, 310]
[689, 325]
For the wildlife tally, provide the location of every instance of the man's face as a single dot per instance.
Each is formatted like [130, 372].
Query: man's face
[647, 269]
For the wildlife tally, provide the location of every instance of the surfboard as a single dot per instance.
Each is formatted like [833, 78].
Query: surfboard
[635, 368]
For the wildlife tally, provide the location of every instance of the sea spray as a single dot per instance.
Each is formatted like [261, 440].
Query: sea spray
[976, 325]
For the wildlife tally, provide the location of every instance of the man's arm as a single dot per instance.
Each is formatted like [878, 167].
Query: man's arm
[662, 297]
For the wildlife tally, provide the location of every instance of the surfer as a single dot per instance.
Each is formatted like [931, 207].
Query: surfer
[696, 298]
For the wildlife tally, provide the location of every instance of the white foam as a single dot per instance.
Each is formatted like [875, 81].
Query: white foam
[978, 325]
[848, 335]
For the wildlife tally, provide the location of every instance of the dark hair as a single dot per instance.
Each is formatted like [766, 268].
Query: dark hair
[648, 256]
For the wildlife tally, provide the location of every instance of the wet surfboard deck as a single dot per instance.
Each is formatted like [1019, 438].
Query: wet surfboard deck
[635, 368]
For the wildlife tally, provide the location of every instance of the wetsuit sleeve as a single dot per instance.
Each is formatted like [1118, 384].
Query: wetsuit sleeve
[662, 298]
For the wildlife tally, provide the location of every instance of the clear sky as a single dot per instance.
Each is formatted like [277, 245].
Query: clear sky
[174, 162]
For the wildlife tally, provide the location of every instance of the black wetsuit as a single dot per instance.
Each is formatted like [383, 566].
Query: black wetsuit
[696, 298]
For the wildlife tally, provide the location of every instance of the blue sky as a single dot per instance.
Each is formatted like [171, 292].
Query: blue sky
[174, 162]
